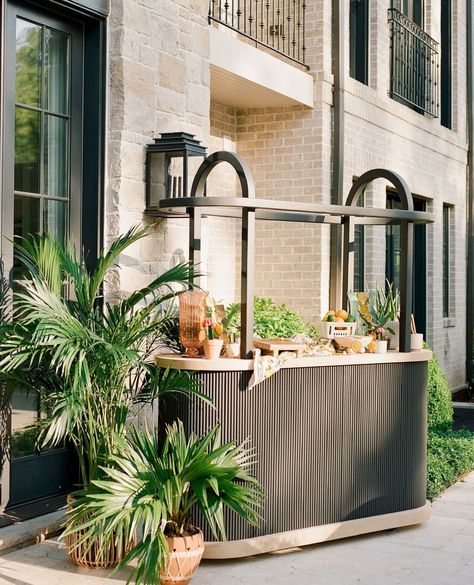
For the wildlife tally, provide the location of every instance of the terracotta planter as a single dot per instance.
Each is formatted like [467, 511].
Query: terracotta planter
[185, 555]
[86, 555]
[212, 348]
[381, 346]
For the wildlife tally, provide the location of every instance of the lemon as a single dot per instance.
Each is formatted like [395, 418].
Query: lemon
[364, 309]
[219, 329]
[356, 346]
[371, 346]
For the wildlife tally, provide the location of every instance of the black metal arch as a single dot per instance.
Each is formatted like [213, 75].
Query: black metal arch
[406, 235]
[397, 181]
[247, 235]
[237, 162]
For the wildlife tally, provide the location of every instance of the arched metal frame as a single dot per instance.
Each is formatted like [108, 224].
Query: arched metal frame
[348, 216]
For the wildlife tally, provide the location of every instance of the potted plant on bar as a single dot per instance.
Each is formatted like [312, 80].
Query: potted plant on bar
[92, 362]
[156, 486]
[212, 344]
[377, 316]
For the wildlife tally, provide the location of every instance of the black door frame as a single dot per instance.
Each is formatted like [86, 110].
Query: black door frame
[89, 16]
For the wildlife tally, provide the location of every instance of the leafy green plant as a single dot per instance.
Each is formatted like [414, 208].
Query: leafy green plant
[272, 319]
[440, 407]
[155, 486]
[91, 361]
[450, 453]
[450, 457]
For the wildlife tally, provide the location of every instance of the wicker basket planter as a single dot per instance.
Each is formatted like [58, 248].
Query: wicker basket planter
[185, 555]
[87, 555]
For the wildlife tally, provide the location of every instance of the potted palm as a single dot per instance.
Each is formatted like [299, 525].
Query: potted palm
[156, 486]
[91, 361]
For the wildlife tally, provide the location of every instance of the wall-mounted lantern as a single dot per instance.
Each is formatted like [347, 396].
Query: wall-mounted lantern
[171, 162]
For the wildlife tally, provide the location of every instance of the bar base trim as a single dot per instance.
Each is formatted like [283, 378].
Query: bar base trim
[272, 542]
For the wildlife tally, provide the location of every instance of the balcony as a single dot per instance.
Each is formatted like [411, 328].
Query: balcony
[414, 78]
[257, 53]
[278, 25]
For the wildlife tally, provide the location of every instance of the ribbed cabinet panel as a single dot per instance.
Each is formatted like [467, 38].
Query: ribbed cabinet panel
[332, 443]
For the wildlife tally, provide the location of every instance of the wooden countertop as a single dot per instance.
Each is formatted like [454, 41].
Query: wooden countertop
[232, 365]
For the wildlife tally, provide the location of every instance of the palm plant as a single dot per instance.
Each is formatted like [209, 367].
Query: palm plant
[156, 486]
[91, 361]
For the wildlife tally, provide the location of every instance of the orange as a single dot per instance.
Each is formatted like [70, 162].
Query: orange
[342, 314]
[371, 346]
[339, 319]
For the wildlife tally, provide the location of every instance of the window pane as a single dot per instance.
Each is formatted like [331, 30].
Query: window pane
[56, 156]
[24, 418]
[27, 150]
[26, 223]
[56, 60]
[28, 63]
[55, 219]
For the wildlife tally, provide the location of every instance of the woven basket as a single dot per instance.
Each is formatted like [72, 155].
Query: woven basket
[185, 555]
[86, 555]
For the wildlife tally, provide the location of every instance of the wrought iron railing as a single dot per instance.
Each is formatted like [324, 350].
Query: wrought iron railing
[276, 24]
[414, 64]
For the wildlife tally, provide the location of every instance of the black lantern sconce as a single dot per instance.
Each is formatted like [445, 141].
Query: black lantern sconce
[169, 168]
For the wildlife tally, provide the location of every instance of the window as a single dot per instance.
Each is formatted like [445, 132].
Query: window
[446, 258]
[359, 253]
[446, 52]
[392, 258]
[412, 9]
[359, 40]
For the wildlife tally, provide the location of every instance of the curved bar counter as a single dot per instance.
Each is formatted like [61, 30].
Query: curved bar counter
[340, 444]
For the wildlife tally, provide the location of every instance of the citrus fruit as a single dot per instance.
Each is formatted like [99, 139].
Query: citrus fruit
[219, 329]
[371, 346]
[339, 319]
[356, 346]
[331, 318]
[342, 314]
[362, 297]
[364, 309]
[331, 312]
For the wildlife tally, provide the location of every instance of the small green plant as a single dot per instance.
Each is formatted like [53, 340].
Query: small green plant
[440, 407]
[272, 319]
[155, 486]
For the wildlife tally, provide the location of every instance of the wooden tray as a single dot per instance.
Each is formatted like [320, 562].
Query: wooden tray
[275, 346]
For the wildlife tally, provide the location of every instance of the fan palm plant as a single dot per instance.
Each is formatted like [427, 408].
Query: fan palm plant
[156, 486]
[91, 361]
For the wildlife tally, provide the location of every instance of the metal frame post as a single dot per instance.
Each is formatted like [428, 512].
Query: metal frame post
[348, 257]
[406, 283]
[247, 282]
[195, 217]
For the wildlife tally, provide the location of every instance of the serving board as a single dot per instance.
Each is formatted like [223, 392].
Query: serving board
[275, 346]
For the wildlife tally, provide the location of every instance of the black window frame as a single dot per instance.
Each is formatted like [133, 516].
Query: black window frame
[447, 215]
[446, 64]
[359, 40]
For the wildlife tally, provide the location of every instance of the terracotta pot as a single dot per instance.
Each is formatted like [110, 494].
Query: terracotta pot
[381, 346]
[185, 555]
[212, 348]
[86, 555]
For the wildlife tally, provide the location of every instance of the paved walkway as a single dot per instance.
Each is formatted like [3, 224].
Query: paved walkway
[439, 552]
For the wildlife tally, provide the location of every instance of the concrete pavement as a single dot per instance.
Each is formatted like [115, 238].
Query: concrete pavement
[439, 552]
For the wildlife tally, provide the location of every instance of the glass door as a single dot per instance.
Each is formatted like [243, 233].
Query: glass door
[44, 57]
